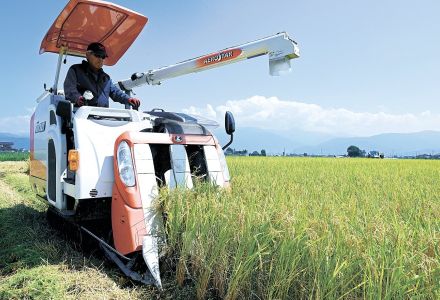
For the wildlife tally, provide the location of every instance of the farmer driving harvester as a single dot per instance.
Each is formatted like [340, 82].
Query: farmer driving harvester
[89, 77]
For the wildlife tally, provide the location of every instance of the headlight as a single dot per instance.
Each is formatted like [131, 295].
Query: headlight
[125, 164]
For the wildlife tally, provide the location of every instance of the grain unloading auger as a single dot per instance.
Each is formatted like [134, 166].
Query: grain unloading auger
[280, 49]
[100, 168]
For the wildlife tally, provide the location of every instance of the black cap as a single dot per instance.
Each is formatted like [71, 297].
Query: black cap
[98, 49]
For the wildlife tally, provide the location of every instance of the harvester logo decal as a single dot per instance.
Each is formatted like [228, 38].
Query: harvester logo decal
[40, 127]
[218, 57]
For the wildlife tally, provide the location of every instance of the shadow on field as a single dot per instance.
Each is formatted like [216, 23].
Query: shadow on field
[27, 240]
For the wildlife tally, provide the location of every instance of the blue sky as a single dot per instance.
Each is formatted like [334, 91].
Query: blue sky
[366, 67]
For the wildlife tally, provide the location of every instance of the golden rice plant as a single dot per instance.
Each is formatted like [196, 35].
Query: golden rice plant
[311, 228]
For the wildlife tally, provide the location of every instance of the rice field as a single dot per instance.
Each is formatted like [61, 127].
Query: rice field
[293, 228]
[289, 228]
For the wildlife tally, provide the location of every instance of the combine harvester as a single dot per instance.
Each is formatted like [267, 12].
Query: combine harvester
[104, 166]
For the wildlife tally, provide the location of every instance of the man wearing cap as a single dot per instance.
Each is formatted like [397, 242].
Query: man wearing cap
[89, 76]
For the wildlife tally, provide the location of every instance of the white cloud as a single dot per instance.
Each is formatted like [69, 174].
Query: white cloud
[16, 125]
[273, 113]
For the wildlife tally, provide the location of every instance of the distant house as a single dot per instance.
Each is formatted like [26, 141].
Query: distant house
[6, 146]
[375, 154]
[231, 151]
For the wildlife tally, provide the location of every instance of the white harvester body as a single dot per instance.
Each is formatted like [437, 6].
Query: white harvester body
[95, 130]
[106, 165]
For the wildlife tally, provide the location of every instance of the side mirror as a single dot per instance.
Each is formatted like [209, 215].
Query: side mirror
[229, 127]
[64, 110]
[229, 123]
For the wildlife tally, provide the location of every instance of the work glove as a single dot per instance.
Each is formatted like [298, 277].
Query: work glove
[134, 102]
[80, 101]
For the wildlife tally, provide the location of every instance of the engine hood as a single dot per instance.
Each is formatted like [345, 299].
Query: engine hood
[82, 22]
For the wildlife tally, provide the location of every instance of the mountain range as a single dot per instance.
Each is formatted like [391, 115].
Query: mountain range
[390, 144]
[20, 141]
[254, 139]
[401, 144]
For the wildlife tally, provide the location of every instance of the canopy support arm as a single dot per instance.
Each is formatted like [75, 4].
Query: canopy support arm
[57, 73]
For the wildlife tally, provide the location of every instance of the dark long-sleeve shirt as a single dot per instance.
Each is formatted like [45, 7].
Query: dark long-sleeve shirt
[81, 78]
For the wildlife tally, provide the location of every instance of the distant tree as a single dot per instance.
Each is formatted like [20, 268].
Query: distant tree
[263, 152]
[354, 151]
[255, 153]
[244, 152]
[229, 151]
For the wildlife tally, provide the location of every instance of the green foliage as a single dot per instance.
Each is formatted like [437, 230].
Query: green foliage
[43, 282]
[353, 151]
[14, 156]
